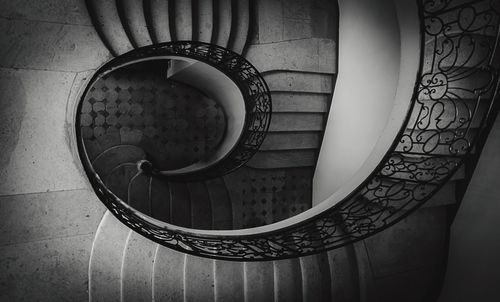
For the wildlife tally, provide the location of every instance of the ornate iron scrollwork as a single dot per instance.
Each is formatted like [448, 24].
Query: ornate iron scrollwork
[454, 103]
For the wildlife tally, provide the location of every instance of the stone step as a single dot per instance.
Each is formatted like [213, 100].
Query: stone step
[300, 102]
[133, 19]
[240, 26]
[229, 281]
[344, 278]
[199, 279]
[283, 159]
[222, 17]
[106, 20]
[259, 281]
[126, 266]
[160, 200]
[183, 20]
[180, 204]
[222, 210]
[315, 278]
[205, 20]
[287, 280]
[302, 55]
[168, 275]
[282, 122]
[201, 209]
[118, 180]
[291, 141]
[137, 269]
[296, 81]
[159, 20]
[106, 259]
[113, 157]
[138, 193]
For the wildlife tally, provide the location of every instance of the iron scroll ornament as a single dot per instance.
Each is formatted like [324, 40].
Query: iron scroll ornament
[453, 107]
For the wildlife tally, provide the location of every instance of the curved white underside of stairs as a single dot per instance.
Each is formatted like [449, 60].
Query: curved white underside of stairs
[379, 56]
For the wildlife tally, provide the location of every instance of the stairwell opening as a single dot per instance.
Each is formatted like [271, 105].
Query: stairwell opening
[152, 126]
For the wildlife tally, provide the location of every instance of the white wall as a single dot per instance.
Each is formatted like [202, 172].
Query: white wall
[378, 62]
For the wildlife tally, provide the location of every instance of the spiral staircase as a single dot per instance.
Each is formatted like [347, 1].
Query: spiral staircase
[365, 259]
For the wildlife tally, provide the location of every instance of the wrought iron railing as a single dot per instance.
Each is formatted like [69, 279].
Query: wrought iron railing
[252, 86]
[454, 104]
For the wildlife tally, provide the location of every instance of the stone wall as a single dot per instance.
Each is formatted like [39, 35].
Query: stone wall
[48, 212]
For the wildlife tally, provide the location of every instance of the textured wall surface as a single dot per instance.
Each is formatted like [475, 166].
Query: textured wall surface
[48, 212]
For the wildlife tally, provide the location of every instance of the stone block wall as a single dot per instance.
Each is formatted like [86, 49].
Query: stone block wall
[48, 212]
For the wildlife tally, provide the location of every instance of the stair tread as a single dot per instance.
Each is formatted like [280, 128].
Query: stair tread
[315, 278]
[296, 81]
[107, 252]
[205, 20]
[220, 203]
[113, 157]
[107, 21]
[240, 26]
[160, 20]
[222, 26]
[180, 204]
[199, 279]
[167, 278]
[344, 274]
[183, 19]
[291, 141]
[300, 102]
[139, 197]
[160, 200]
[134, 22]
[119, 179]
[297, 122]
[137, 270]
[259, 281]
[201, 209]
[287, 280]
[229, 281]
[302, 55]
[283, 159]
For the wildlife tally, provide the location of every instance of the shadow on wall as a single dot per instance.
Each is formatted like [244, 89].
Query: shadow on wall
[12, 111]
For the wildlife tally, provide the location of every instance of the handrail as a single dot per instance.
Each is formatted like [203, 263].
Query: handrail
[255, 92]
[459, 75]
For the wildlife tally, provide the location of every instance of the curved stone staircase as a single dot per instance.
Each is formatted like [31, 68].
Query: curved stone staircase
[301, 86]
[127, 267]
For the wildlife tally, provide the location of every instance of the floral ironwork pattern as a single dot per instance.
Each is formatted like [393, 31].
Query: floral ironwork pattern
[454, 104]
